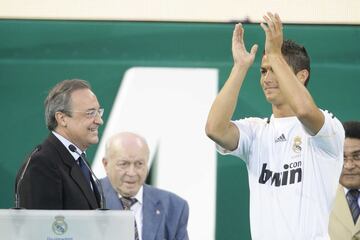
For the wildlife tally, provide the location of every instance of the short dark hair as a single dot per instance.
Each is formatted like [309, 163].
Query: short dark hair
[352, 129]
[296, 56]
[58, 99]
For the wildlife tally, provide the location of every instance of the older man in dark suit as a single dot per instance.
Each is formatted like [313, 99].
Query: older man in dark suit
[158, 214]
[56, 176]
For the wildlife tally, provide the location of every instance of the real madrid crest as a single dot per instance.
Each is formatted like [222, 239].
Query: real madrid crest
[59, 226]
[296, 145]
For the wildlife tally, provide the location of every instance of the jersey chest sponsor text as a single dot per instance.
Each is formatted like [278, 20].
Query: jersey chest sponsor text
[292, 174]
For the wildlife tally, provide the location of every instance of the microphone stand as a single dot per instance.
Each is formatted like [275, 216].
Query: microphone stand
[17, 195]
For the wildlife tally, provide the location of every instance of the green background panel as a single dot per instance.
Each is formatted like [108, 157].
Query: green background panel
[35, 55]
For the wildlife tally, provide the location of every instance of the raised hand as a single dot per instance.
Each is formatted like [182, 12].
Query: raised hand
[241, 56]
[274, 33]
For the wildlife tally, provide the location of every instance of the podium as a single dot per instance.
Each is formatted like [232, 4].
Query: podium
[66, 224]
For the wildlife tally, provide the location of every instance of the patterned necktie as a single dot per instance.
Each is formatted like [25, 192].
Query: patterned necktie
[127, 203]
[352, 198]
[84, 168]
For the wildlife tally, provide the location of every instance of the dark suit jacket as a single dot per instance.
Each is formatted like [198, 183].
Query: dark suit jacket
[53, 180]
[165, 215]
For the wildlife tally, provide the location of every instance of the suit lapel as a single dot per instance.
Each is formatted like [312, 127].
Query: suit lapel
[75, 171]
[96, 191]
[80, 180]
[153, 214]
[111, 196]
[356, 230]
[342, 211]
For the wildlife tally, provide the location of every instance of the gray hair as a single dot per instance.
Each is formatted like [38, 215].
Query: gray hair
[58, 99]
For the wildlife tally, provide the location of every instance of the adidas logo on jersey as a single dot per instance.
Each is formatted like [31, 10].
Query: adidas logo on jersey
[282, 138]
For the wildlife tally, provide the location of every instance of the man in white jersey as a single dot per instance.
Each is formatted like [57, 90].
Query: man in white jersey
[294, 158]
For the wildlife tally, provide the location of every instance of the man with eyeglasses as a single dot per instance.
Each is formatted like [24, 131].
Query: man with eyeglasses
[344, 219]
[55, 176]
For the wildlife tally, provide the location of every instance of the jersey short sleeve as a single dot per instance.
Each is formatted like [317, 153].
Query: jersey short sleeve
[247, 129]
[331, 136]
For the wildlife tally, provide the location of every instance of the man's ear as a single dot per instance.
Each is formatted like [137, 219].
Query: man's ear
[61, 119]
[302, 75]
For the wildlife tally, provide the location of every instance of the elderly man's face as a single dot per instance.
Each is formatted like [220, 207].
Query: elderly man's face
[126, 167]
[350, 176]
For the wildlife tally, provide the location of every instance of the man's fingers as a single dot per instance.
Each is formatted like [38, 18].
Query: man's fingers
[240, 31]
[270, 23]
[273, 21]
[263, 26]
[254, 49]
[235, 37]
[236, 32]
[266, 30]
[278, 20]
[271, 16]
[238, 36]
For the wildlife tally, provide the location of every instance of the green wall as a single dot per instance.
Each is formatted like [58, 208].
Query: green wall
[35, 55]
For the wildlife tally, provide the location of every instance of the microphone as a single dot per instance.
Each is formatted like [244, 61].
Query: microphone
[98, 184]
[18, 185]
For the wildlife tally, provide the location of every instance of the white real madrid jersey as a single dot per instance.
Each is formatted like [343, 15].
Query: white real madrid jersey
[293, 176]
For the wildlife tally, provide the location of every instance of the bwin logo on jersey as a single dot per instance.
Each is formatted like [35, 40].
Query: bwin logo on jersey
[291, 175]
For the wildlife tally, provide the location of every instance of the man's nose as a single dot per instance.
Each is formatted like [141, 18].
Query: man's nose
[267, 77]
[131, 170]
[349, 164]
[98, 119]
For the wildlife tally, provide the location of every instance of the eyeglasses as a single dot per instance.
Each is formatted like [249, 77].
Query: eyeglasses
[91, 113]
[353, 156]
